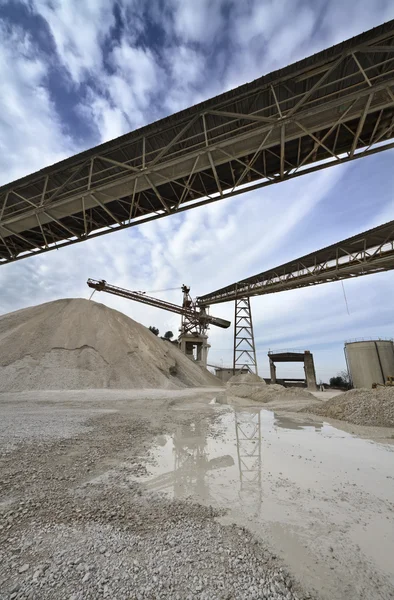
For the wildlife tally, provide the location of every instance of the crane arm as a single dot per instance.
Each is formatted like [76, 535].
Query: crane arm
[103, 286]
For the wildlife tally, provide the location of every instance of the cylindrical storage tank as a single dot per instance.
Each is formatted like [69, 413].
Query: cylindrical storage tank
[370, 362]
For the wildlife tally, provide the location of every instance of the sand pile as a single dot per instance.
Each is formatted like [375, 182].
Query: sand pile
[247, 378]
[267, 393]
[79, 344]
[361, 407]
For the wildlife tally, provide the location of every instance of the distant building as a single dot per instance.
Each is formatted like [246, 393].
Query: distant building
[225, 373]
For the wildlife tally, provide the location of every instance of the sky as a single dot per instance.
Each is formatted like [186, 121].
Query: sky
[76, 73]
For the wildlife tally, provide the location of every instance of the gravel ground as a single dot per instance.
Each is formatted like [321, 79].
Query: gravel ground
[67, 532]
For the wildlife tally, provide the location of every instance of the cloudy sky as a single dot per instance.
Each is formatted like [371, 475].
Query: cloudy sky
[76, 73]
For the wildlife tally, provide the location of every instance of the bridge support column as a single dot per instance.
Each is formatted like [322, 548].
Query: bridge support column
[309, 368]
[272, 371]
[196, 347]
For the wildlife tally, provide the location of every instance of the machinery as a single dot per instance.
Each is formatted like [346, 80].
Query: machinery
[388, 383]
[193, 339]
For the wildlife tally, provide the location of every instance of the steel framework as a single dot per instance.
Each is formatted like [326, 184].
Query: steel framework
[194, 318]
[333, 107]
[368, 252]
[244, 348]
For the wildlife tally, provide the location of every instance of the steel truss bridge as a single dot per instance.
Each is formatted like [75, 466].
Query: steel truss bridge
[330, 108]
[368, 252]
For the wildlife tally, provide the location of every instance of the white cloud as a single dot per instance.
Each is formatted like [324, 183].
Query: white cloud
[107, 118]
[31, 134]
[198, 22]
[78, 29]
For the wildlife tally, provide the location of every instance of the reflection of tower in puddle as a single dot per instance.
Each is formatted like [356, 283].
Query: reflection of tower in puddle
[248, 435]
[191, 464]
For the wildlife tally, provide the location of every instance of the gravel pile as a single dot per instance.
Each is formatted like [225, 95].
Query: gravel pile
[268, 393]
[360, 406]
[248, 378]
[80, 344]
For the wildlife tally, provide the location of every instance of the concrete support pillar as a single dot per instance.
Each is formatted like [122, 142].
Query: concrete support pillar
[188, 342]
[273, 371]
[199, 352]
[310, 374]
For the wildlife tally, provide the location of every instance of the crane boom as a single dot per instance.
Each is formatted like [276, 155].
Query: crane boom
[198, 315]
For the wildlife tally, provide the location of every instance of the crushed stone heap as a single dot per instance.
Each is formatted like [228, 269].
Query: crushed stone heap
[77, 344]
[360, 406]
[268, 393]
[245, 378]
[253, 387]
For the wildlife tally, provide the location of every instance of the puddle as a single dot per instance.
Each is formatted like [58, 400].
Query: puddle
[258, 450]
[307, 485]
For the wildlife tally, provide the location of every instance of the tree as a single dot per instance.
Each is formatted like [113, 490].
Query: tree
[154, 329]
[346, 378]
[342, 380]
[337, 382]
[168, 335]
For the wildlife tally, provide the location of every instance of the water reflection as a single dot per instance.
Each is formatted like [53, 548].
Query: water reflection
[206, 461]
[185, 455]
[248, 436]
[286, 423]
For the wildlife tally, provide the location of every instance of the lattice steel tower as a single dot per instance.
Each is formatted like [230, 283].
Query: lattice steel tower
[244, 348]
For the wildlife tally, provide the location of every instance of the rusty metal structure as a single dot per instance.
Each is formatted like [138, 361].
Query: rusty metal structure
[194, 319]
[193, 338]
[330, 108]
[368, 252]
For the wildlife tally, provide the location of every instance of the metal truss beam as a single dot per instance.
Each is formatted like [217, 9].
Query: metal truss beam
[369, 252]
[329, 109]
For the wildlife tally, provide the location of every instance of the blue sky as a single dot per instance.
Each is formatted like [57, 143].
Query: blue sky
[78, 72]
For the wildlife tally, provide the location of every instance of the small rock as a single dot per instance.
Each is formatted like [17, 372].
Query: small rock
[24, 568]
[15, 588]
[86, 577]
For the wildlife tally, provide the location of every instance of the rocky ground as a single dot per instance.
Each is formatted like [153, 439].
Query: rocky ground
[360, 406]
[70, 530]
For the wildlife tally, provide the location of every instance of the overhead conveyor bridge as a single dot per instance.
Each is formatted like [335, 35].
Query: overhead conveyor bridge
[368, 252]
[327, 109]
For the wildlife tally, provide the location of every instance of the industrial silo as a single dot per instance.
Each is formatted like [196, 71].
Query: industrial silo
[370, 361]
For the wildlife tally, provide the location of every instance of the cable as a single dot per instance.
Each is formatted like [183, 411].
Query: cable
[156, 291]
[344, 295]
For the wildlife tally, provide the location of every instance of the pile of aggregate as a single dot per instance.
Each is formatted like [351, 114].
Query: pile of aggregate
[245, 378]
[74, 343]
[360, 406]
[261, 392]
